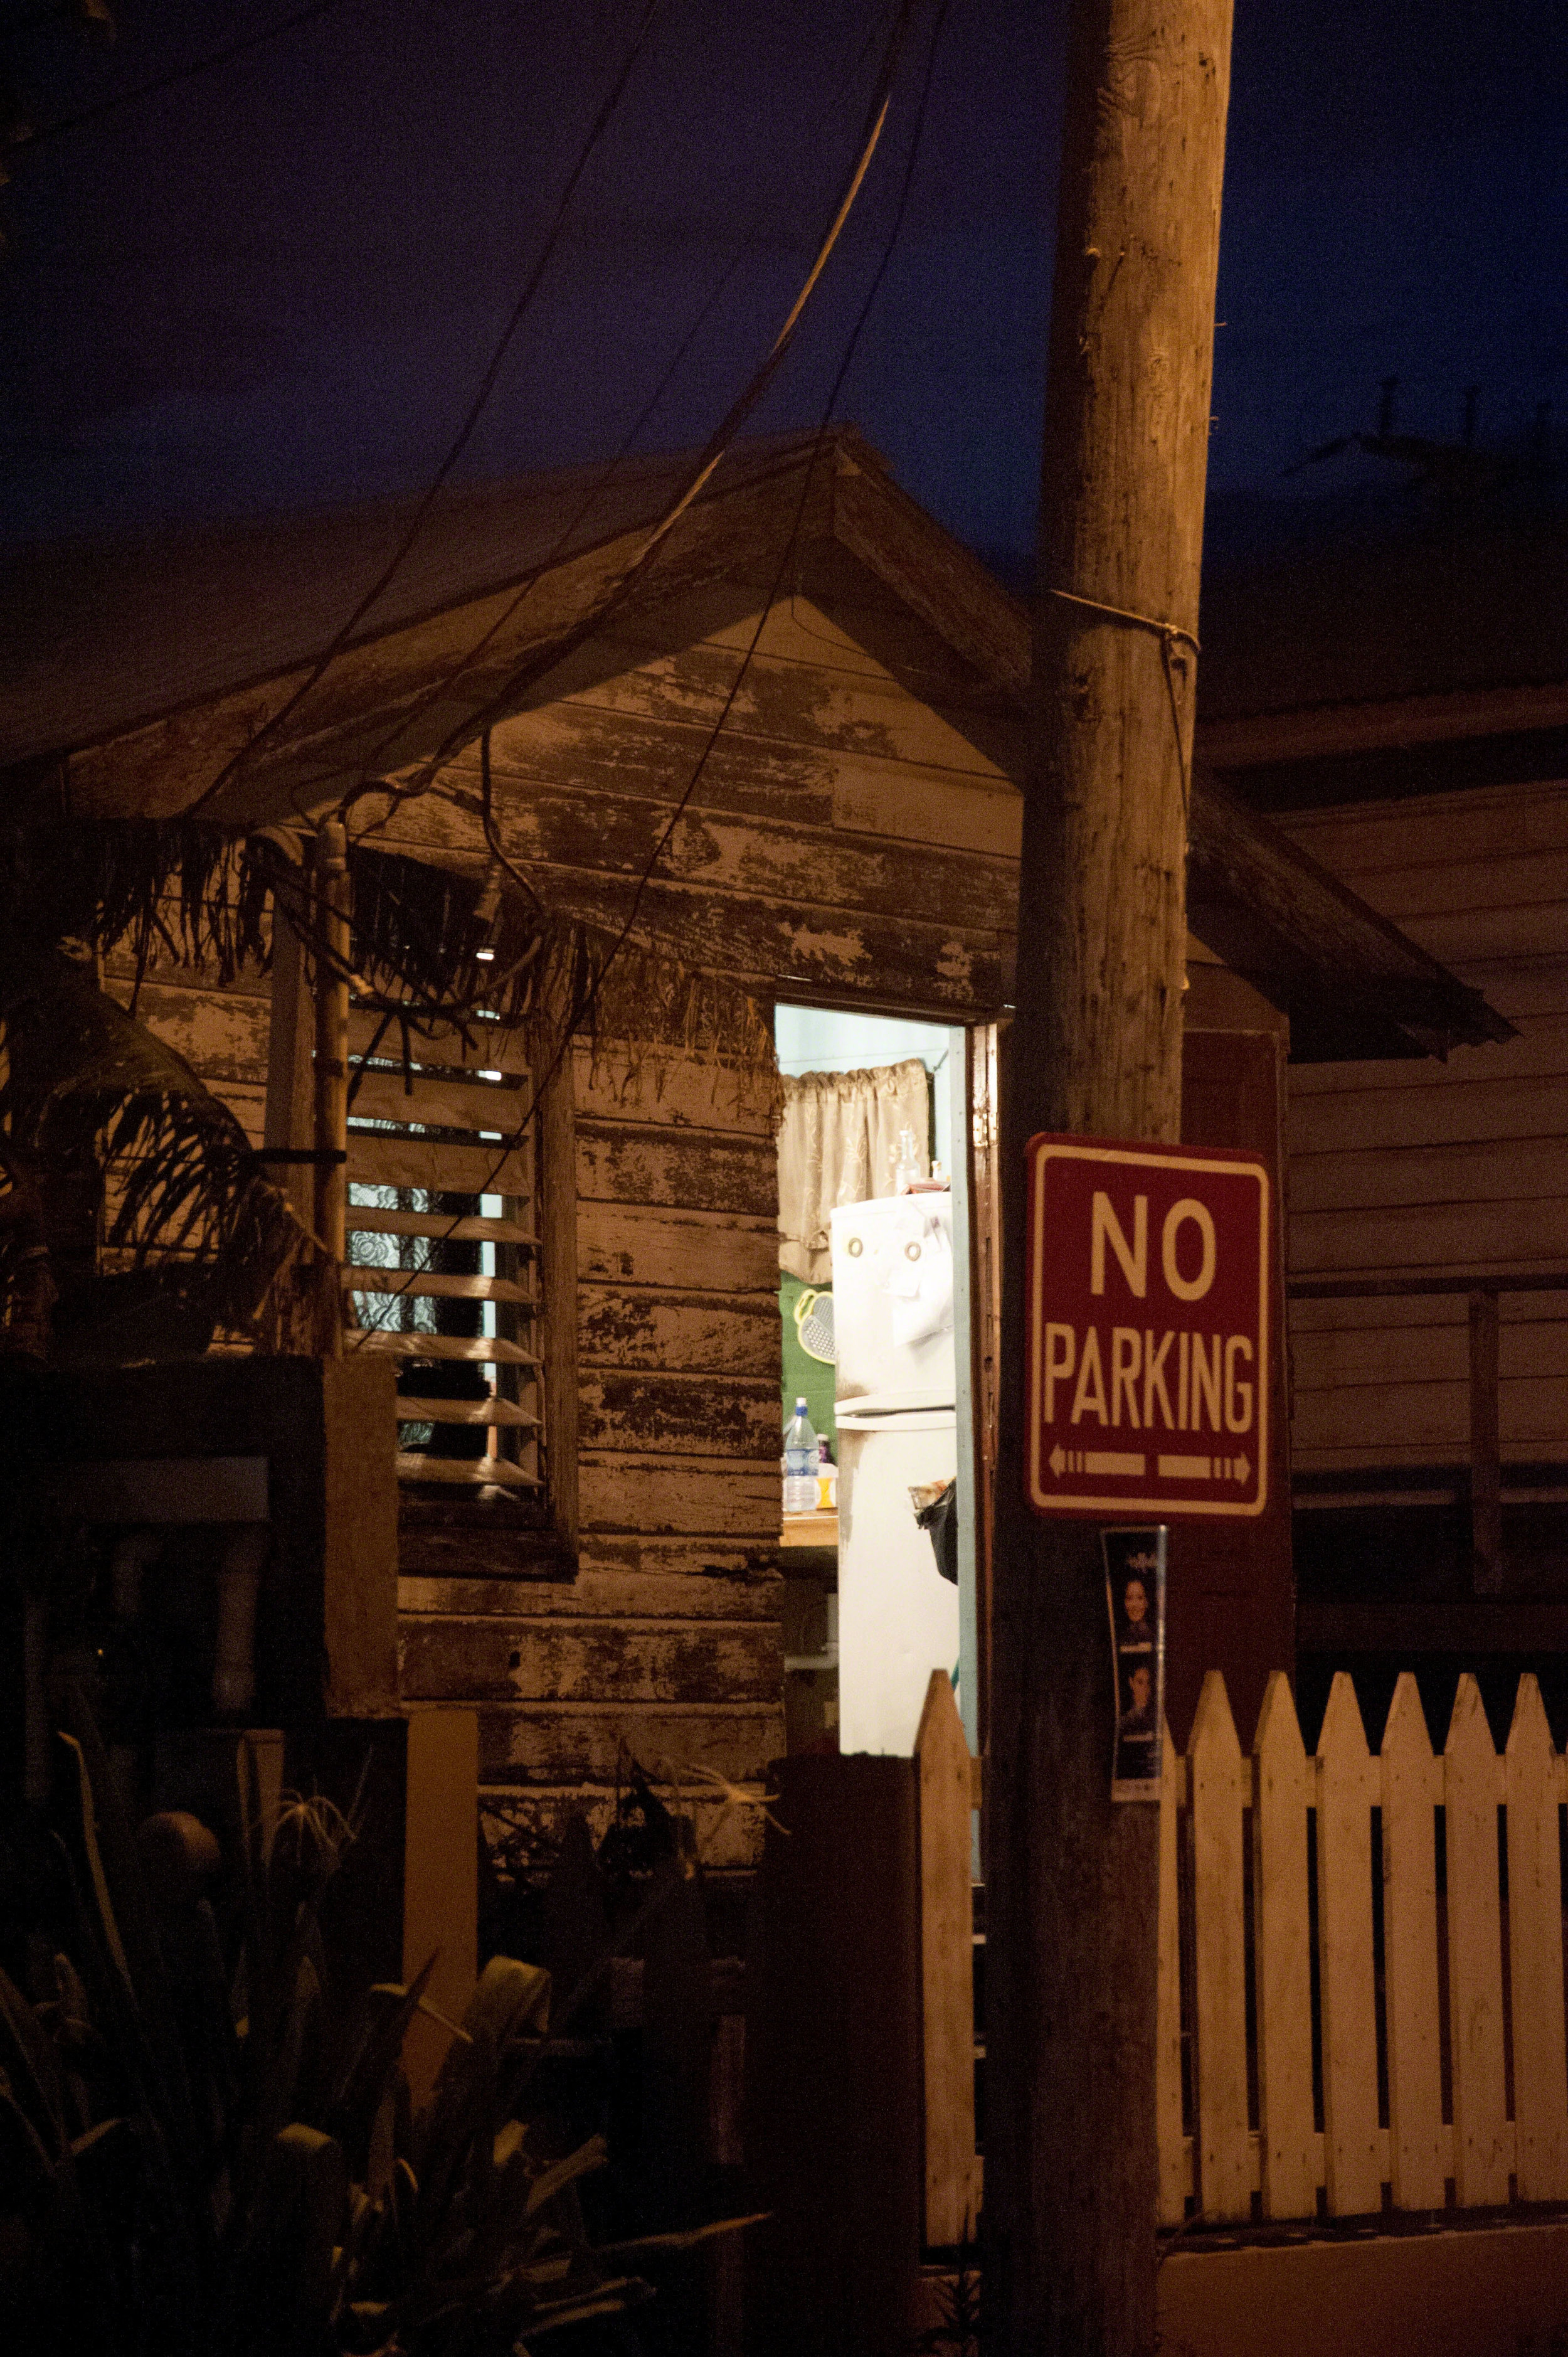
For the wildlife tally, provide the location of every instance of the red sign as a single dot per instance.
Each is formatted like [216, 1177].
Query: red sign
[1148, 1330]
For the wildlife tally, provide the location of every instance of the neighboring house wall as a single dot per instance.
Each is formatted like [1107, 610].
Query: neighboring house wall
[1425, 1168]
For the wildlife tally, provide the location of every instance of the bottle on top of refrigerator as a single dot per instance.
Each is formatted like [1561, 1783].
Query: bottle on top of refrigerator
[799, 1463]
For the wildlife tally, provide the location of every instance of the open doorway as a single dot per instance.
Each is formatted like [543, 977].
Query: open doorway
[875, 1316]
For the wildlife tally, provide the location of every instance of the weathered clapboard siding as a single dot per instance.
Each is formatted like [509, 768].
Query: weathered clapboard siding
[223, 1034]
[542, 1745]
[760, 856]
[804, 854]
[649, 1328]
[449, 1657]
[805, 859]
[669, 1496]
[1430, 1169]
[637, 1161]
[647, 1245]
[667, 1645]
[685, 1578]
[680, 1414]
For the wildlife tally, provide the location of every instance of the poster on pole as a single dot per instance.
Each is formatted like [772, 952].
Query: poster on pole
[1135, 1600]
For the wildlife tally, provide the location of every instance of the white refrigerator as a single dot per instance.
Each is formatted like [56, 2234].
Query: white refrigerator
[892, 1323]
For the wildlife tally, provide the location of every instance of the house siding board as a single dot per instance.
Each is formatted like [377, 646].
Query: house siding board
[807, 857]
[1424, 1168]
[805, 851]
[667, 1645]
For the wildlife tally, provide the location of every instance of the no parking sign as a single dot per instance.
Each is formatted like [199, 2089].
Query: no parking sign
[1147, 1361]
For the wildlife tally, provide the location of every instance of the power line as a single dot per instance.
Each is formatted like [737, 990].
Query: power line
[578, 1015]
[566, 643]
[177, 74]
[442, 687]
[465, 433]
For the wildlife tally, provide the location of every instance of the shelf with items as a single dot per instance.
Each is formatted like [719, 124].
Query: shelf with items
[817, 1530]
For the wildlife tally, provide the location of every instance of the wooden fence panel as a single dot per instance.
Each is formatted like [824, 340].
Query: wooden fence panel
[1283, 1965]
[1535, 1953]
[1218, 1784]
[1167, 2018]
[1346, 1788]
[1353, 2154]
[1472, 1788]
[947, 1951]
[1411, 1788]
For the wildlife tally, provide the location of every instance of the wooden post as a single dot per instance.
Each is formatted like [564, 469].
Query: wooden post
[1486, 1465]
[289, 1120]
[1072, 1904]
[440, 1878]
[332, 1051]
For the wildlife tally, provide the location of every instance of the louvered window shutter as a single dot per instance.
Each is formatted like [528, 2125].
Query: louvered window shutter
[443, 1253]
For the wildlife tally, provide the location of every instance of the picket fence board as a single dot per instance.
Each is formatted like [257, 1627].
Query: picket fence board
[1411, 1788]
[1347, 1789]
[1535, 1953]
[947, 1945]
[1288, 2146]
[1217, 1793]
[1472, 1788]
[1167, 2013]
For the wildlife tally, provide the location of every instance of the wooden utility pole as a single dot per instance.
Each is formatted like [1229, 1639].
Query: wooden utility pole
[1070, 2171]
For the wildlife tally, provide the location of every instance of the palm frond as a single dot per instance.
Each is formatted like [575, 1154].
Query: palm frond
[91, 1092]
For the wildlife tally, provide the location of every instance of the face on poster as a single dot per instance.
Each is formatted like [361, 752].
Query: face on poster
[1136, 1600]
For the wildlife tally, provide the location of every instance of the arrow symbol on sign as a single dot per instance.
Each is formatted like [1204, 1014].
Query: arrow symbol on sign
[1241, 1468]
[1057, 1459]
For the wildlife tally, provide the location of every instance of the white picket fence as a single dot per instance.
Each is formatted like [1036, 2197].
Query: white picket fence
[1469, 2003]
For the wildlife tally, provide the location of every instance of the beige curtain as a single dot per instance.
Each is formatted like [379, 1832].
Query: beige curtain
[843, 1139]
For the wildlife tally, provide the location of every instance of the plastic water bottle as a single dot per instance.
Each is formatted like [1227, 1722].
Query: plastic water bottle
[799, 1463]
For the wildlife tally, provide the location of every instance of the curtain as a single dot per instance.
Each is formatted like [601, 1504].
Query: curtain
[843, 1139]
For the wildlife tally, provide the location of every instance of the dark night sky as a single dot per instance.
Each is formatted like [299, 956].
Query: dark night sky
[276, 283]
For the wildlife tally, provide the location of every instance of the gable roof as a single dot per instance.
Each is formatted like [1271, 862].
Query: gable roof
[140, 675]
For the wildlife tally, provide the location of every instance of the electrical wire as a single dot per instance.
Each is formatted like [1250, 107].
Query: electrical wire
[578, 1015]
[556, 650]
[465, 433]
[177, 74]
[442, 687]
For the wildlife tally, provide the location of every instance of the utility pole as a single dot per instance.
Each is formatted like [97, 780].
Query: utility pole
[1095, 1048]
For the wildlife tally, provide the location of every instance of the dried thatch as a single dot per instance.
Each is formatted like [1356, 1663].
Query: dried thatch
[89, 1090]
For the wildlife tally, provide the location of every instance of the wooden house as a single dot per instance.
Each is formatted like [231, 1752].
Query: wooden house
[1397, 702]
[781, 742]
